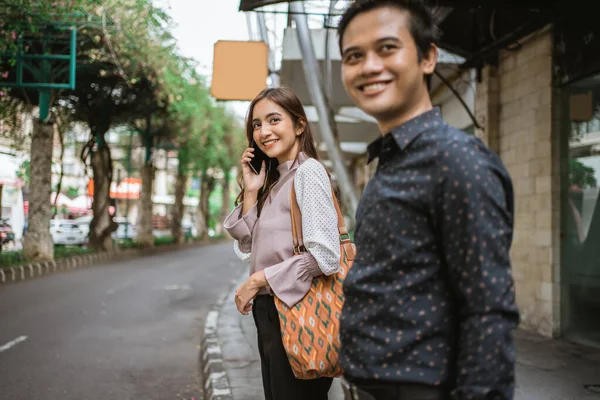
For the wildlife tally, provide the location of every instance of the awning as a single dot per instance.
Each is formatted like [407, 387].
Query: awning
[249, 5]
[11, 182]
[128, 188]
[79, 205]
[477, 29]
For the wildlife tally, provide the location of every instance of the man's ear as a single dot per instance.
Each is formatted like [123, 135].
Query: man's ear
[429, 60]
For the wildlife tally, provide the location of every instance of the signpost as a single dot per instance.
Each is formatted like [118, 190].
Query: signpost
[45, 71]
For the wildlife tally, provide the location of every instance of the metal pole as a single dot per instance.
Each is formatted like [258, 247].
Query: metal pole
[1, 238]
[117, 192]
[20, 62]
[315, 90]
[128, 180]
[73, 58]
[264, 36]
[44, 94]
[249, 26]
[328, 63]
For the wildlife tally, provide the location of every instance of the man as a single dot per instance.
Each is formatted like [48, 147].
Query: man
[430, 301]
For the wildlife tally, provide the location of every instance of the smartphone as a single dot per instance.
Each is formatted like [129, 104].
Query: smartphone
[259, 157]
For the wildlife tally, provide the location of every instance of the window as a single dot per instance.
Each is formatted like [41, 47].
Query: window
[580, 264]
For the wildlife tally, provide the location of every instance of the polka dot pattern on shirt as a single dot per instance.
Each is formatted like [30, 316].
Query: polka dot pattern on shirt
[430, 298]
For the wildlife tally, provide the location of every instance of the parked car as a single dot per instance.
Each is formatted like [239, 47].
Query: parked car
[66, 232]
[189, 229]
[126, 230]
[84, 223]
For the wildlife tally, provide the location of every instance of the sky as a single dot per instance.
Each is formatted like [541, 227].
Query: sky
[199, 24]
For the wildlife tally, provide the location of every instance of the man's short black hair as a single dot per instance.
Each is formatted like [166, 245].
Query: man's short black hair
[423, 27]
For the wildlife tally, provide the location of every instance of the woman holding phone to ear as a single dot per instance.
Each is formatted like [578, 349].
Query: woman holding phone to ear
[261, 224]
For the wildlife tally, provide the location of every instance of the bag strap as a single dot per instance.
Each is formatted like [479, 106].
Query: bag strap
[297, 236]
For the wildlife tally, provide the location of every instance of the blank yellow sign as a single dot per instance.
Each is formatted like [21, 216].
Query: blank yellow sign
[240, 69]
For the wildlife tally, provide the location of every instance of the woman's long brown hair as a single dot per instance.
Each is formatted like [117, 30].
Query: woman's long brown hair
[287, 100]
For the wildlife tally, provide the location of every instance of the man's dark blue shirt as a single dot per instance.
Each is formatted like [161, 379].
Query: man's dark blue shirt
[430, 298]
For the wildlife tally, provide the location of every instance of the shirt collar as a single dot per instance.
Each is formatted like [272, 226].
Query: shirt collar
[289, 165]
[404, 134]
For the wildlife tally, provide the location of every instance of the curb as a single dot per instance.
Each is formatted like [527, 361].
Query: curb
[35, 270]
[214, 374]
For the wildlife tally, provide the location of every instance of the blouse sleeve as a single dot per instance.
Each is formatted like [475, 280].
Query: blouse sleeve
[241, 255]
[240, 227]
[290, 280]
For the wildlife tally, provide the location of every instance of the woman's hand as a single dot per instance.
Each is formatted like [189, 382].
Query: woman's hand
[248, 291]
[252, 182]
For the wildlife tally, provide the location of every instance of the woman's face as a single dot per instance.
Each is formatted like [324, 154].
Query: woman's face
[274, 131]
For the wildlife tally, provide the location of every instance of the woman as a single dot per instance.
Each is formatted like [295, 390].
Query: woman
[261, 224]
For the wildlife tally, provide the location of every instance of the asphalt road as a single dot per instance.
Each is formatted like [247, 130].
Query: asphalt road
[125, 330]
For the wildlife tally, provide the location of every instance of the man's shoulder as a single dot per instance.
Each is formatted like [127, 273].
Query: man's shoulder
[463, 155]
[454, 143]
[457, 136]
[445, 135]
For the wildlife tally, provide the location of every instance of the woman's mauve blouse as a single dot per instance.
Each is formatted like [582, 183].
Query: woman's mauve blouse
[268, 238]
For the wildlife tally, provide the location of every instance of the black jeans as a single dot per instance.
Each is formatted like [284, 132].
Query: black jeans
[374, 390]
[279, 382]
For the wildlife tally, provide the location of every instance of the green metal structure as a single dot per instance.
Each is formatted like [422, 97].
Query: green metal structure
[45, 74]
[46, 54]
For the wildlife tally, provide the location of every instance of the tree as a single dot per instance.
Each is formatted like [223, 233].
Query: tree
[34, 27]
[209, 162]
[102, 102]
[38, 244]
[119, 84]
[104, 81]
[580, 175]
[152, 130]
[17, 16]
[235, 142]
[128, 73]
[24, 172]
[189, 116]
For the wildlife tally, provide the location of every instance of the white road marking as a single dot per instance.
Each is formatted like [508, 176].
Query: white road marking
[13, 343]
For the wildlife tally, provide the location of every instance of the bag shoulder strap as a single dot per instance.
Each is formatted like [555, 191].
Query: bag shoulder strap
[296, 214]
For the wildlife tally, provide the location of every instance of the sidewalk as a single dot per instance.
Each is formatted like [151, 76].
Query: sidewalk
[547, 369]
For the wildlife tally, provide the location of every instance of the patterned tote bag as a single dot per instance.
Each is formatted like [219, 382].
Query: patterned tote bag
[310, 330]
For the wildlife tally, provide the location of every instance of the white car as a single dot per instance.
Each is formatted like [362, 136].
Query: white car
[84, 224]
[189, 228]
[126, 230]
[66, 232]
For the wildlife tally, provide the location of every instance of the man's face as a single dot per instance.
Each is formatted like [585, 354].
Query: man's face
[381, 70]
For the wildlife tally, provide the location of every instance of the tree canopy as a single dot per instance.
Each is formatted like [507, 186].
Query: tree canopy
[128, 68]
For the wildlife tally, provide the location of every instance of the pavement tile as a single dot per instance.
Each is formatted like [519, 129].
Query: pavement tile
[547, 369]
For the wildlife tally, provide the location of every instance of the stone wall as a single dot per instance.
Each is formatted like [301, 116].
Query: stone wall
[514, 104]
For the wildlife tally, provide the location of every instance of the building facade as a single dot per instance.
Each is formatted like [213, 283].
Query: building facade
[547, 133]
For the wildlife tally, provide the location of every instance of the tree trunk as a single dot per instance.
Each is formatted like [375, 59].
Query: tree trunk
[226, 203]
[38, 244]
[177, 215]
[201, 223]
[207, 186]
[201, 218]
[145, 235]
[62, 171]
[1, 186]
[102, 225]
